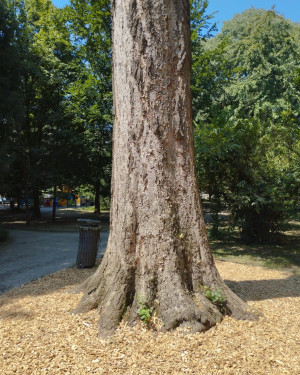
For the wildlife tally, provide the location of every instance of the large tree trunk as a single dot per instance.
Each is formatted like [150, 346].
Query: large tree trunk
[157, 248]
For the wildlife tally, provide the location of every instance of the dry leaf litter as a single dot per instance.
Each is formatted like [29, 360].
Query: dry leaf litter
[38, 334]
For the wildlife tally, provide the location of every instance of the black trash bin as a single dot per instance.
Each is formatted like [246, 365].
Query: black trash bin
[89, 238]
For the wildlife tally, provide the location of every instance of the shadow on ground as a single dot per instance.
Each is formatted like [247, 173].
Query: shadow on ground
[249, 290]
[259, 290]
[286, 253]
[65, 220]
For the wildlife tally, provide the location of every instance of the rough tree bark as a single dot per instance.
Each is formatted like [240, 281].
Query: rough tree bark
[157, 248]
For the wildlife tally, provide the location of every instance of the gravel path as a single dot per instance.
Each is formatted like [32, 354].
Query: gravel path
[29, 255]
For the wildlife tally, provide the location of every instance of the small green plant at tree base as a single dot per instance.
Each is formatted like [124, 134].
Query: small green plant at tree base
[216, 298]
[144, 311]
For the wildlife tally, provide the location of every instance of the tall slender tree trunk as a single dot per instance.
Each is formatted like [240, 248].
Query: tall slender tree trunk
[157, 248]
[27, 184]
[97, 197]
[54, 203]
[36, 203]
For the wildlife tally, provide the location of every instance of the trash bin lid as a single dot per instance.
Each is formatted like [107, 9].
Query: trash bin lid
[89, 222]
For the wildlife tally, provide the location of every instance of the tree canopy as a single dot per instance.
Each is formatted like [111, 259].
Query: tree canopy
[56, 87]
[247, 105]
[56, 107]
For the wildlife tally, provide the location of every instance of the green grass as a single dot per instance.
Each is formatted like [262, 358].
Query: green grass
[284, 253]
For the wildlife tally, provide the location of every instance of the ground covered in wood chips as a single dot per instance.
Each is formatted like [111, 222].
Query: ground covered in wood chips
[38, 335]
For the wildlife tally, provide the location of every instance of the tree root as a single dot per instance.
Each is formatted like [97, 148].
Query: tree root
[114, 293]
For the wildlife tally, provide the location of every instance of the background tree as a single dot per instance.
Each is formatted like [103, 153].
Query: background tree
[90, 100]
[44, 142]
[247, 123]
[10, 98]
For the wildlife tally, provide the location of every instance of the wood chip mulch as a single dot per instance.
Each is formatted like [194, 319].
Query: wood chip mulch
[38, 335]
